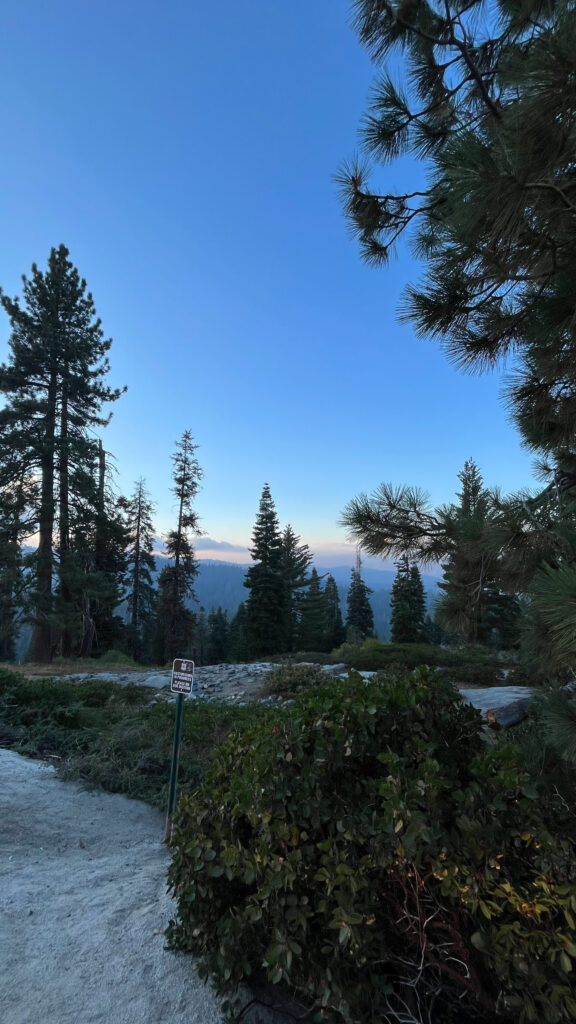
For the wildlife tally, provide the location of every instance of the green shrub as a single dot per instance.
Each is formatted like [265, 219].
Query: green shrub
[470, 665]
[472, 673]
[290, 679]
[380, 860]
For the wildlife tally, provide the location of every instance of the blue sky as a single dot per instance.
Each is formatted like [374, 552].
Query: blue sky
[185, 155]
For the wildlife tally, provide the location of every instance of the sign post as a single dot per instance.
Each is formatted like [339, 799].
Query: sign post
[181, 683]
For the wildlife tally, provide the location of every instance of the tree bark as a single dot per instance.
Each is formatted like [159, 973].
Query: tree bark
[66, 594]
[41, 644]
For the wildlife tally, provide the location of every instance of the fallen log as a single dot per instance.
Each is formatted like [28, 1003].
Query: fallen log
[508, 714]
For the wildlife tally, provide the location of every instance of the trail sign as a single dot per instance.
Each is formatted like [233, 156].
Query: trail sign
[182, 679]
[181, 683]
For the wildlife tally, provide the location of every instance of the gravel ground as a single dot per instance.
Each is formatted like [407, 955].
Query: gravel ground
[83, 909]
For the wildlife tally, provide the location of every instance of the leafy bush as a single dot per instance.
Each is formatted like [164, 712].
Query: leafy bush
[379, 859]
[461, 666]
[290, 679]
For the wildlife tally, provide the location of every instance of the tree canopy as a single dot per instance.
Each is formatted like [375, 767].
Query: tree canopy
[359, 614]
[408, 603]
[485, 98]
[265, 619]
[141, 567]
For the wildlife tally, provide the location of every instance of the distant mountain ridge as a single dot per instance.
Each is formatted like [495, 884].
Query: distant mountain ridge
[221, 584]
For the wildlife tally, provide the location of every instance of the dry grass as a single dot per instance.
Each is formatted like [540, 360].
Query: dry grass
[32, 670]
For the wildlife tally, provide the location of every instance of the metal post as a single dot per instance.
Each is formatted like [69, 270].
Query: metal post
[174, 768]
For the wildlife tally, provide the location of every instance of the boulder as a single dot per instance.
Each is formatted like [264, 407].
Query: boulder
[335, 670]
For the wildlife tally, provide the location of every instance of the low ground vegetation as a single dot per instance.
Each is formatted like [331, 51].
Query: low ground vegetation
[112, 737]
[472, 666]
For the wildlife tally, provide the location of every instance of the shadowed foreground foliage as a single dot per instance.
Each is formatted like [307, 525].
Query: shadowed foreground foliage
[363, 848]
[368, 851]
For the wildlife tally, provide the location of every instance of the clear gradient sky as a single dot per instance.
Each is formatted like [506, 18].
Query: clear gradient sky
[185, 154]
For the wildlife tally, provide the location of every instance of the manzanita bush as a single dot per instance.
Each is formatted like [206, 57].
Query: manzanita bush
[367, 850]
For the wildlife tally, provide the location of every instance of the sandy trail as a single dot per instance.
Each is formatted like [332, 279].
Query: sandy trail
[83, 908]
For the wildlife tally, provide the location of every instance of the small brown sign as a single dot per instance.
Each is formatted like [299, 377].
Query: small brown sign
[182, 676]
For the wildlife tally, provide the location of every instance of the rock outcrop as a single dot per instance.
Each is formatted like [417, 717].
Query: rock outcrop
[501, 706]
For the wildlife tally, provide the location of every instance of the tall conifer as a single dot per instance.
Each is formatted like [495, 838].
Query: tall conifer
[218, 637]
[98, 553]
[141, 592]
[14, 505]
[408, 603]
[312, 630]
[360, 617]
[239, 650]
[55, 390]
[333, 625]
[295, 561]
[468, 585]
[266, 605]
[470, 536]
[175, 621]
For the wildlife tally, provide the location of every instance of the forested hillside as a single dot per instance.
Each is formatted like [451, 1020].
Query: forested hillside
[221, 584]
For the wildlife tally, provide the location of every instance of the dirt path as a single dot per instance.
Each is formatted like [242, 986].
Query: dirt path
[83, 909]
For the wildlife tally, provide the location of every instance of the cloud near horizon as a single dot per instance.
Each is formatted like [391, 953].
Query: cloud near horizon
[208, 544]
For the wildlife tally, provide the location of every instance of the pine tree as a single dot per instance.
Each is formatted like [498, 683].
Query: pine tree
[174, 625]
[174, 620]
[408, 603]
[102, 549]
[141, 567]
[312, 626]
[484, 98]
[433, 633]
[359, 618]
[468, 586]
[14, 504]
[239, 650]
[200, 651]
[475, 539]
[54, 386]
[266, 605]
[296, 558]
[334, 632]
[218, 637]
